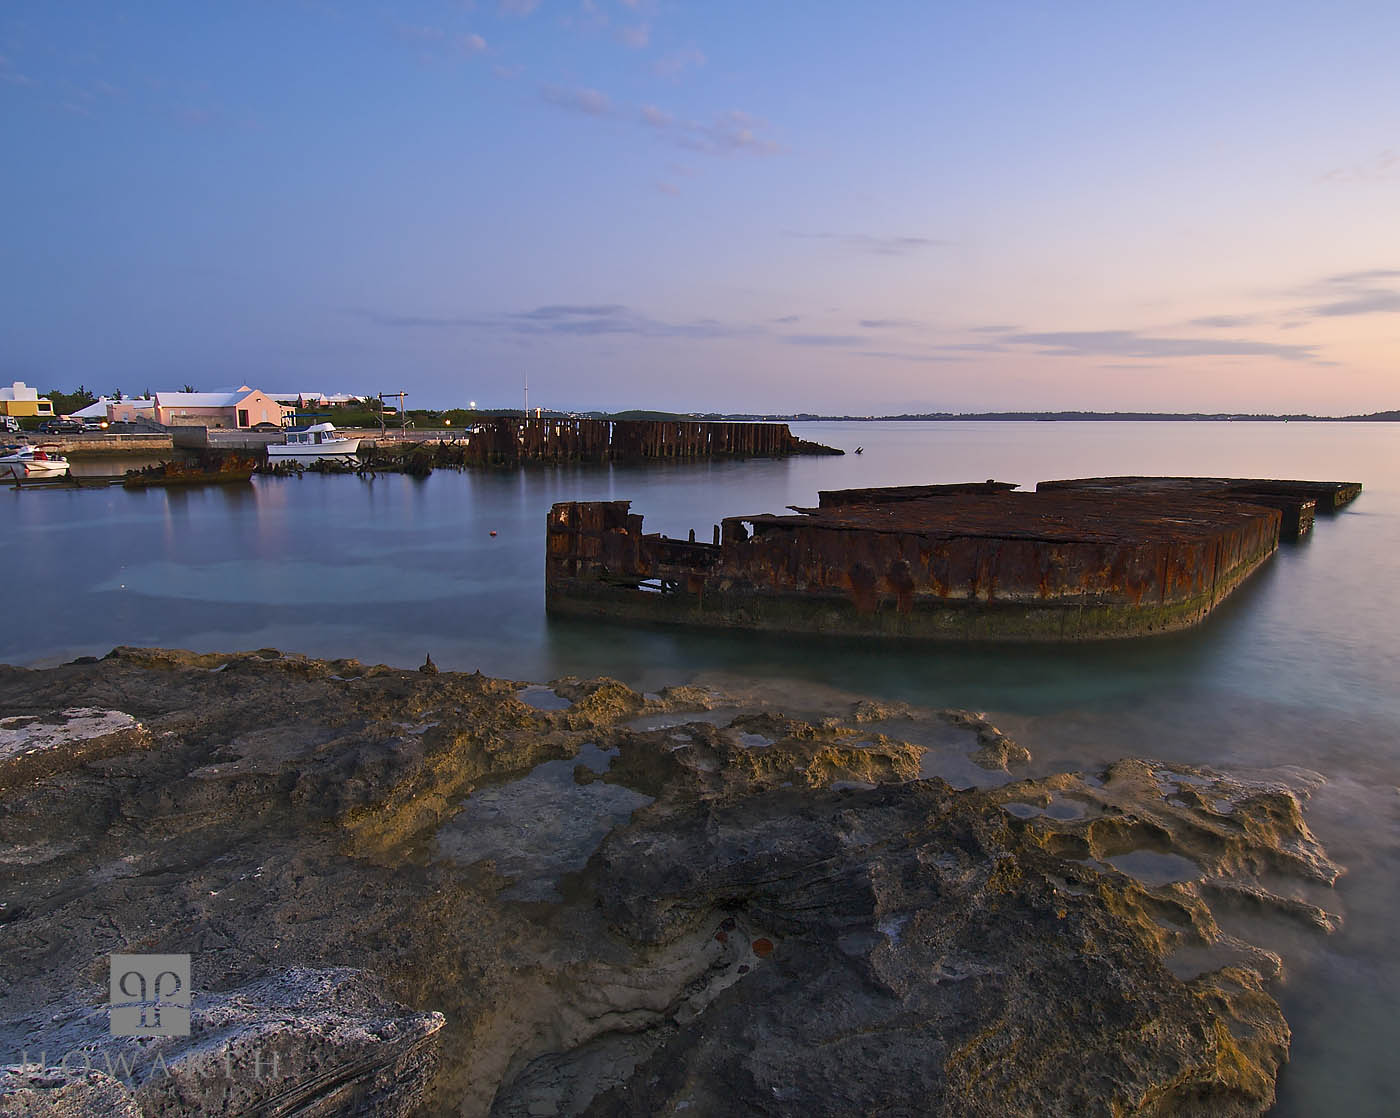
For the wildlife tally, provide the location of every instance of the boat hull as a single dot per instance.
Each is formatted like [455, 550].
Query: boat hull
[31, 470]
[341, 450]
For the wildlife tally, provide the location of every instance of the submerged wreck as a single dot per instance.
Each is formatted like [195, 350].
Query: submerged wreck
[1079, 559]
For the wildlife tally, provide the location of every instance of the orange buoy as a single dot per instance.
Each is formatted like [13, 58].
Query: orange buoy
[763, 947]
[493, 531]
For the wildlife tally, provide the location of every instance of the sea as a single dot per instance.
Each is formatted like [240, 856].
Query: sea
[1299, 669]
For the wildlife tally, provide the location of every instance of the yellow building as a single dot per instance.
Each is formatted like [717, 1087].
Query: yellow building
[20, 399]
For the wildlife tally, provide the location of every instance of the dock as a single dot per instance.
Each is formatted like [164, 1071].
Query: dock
[1087, 559]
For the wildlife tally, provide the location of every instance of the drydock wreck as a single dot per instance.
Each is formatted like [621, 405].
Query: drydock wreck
[1081, 559]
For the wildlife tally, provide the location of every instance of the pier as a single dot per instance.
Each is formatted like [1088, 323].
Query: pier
[1083, 560]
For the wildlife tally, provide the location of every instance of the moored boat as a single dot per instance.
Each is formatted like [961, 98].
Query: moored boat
[317, 443]
[32, 463]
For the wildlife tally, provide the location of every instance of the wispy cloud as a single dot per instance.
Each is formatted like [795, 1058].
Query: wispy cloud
[1383, 166]
[1353, 293]
[580, 100]
[570, 319]
[786, 320]
[471, 44]
[879, 246]
[994, 329]
[636, 37]
[1225, 321]
[1130, 343]
[730, 133]
[517, 7]
[10, 75]
[668, 187]
[926, 358]
[838, 340]
[887, 323]
[674, 63]
[1363, 302]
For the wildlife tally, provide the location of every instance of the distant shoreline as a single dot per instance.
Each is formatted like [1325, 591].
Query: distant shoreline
[1007, 417]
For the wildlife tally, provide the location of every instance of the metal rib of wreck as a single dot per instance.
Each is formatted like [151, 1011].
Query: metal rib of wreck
[1085, 559]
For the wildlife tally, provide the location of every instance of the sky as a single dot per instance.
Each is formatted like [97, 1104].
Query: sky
[768, 205]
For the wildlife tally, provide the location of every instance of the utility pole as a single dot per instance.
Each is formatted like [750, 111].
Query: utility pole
[527, 395]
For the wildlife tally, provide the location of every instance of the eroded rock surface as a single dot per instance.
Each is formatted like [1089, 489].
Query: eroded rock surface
[630, 904]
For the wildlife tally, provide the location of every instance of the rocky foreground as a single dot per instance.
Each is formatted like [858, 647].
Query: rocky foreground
[421, 892]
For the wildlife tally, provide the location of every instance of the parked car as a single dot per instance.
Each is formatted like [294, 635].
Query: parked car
[89, 425]
[265, 427]
[8, 423]
[61, 427]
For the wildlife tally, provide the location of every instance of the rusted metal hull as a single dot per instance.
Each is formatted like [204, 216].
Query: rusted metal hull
[1297, 501]
[967, 563]
[507, 441]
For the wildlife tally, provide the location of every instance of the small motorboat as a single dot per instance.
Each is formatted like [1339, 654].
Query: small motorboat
[316, 443]
[32, 463]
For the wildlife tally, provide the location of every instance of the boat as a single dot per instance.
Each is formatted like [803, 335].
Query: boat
[318, 442]
[32, 463]
[231, 470]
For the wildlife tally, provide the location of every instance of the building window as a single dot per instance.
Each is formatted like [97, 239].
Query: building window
[243, 417]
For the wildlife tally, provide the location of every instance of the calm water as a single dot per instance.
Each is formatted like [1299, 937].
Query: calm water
[1300, 667]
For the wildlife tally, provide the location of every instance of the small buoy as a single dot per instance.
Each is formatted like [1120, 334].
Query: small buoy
[763, 947]
[493, 531]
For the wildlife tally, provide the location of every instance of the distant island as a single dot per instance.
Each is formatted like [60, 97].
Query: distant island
[1008, 417]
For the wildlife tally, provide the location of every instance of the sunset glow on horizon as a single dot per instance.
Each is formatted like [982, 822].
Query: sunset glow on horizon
[859, 209]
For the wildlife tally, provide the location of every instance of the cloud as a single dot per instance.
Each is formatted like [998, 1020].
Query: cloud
[887, 323]
[568, 319]
[1358, 294]
[1365, 277]
[787, 319]
[14, 77]
[635, 37]
[517, 7]
[730, 133]
[471, 44]
[934, 358]
[1129, 343]
[993, 329]
[1363, 302]
[879, 246]
[668, 188]
[580, 100]
[1224, 321]
[1377, 169]
[674, 63]
[823, 339]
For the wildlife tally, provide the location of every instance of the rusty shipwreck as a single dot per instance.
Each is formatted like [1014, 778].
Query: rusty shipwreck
[1080, 559]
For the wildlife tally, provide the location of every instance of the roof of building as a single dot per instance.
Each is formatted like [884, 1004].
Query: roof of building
[19, 391]
[202, 399]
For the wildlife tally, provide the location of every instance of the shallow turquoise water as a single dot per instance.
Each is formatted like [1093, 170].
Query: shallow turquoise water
[1300, 667]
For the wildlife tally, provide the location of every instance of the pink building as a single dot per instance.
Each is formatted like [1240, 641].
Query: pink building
[245, 408]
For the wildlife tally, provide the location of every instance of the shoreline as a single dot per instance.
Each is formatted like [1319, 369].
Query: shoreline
[709, 866]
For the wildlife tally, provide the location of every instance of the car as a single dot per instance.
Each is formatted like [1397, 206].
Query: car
[89, 425]
[265, 427]
[61, 427]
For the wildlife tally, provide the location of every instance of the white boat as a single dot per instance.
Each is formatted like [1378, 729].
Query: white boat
[29, 463]
[316, 443]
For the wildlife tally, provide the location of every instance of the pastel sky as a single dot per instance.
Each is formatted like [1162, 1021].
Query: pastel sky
[768, 205]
